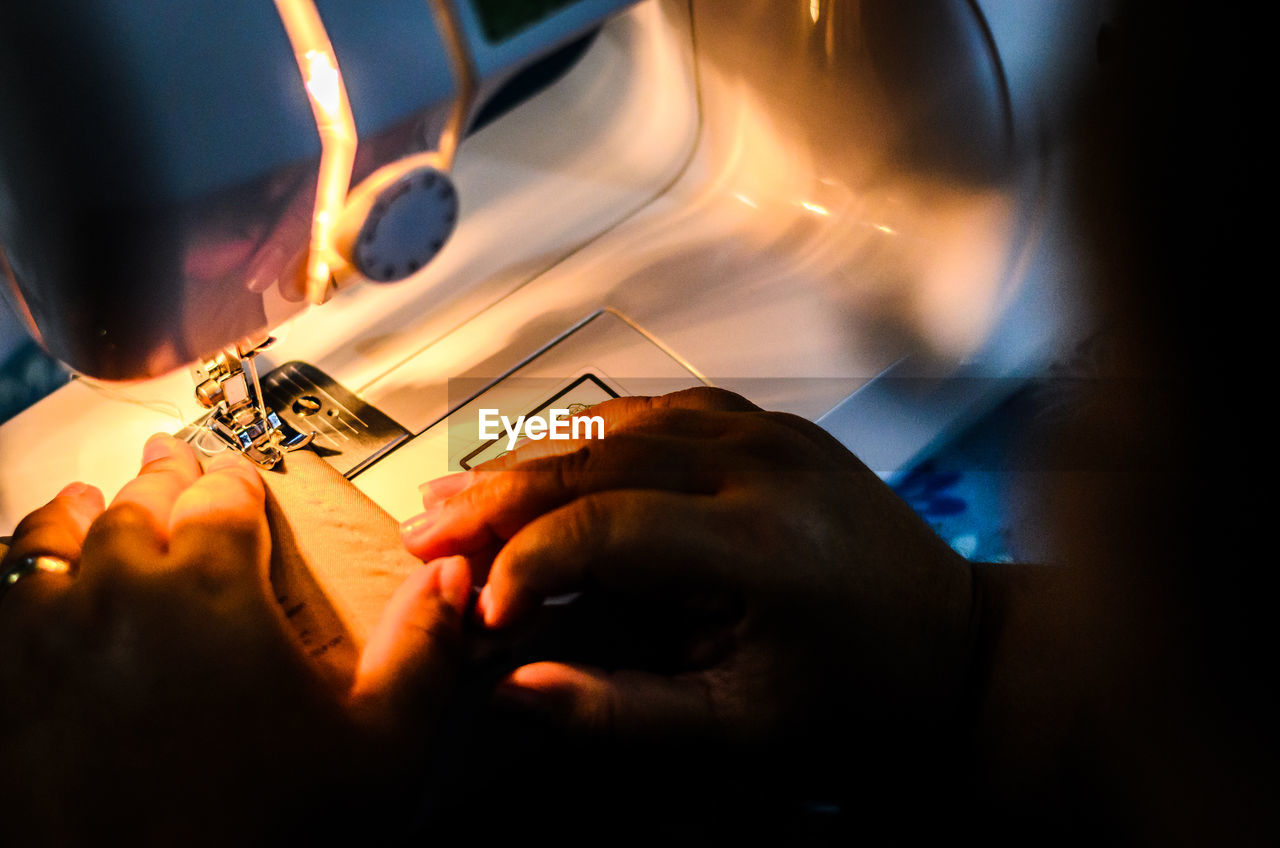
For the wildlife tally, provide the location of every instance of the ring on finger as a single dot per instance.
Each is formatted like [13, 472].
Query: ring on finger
[34, 564]
[25, 566]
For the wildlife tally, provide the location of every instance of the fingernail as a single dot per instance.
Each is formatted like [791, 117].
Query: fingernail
[158, 446]
[446, 486]
[84, 499]
[417, 527]
[483, 603]
[455, 583]
[73, 490]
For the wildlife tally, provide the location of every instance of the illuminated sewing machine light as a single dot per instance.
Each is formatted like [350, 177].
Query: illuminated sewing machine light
[318, 273]
[323, 82]
[319, 267]
[331, 109]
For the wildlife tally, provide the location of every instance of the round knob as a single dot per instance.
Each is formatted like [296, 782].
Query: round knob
[408, 223]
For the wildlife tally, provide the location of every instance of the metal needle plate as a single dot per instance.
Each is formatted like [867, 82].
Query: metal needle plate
[349, 432]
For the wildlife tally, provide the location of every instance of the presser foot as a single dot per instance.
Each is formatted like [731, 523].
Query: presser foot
[293, 406]
[228, 385]
[264, 441]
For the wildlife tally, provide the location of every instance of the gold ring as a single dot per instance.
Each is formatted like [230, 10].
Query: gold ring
[33, 564]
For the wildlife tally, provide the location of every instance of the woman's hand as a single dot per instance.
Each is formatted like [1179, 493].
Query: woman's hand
[156, 691]
[794, 596]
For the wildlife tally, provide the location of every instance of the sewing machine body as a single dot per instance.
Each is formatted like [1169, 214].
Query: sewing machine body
[835, 208]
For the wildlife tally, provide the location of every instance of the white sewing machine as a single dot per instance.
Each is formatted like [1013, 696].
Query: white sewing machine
[853, 211]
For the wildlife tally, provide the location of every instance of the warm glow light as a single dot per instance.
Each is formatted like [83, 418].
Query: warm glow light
[815, 9]
[744, 199]
[332, 110]
[815, 208]
[323, 82]
[885, 228]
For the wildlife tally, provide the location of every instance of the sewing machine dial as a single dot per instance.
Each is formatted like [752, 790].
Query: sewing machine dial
[408, 224]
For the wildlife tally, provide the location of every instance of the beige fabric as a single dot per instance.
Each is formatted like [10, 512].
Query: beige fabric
[336, 560]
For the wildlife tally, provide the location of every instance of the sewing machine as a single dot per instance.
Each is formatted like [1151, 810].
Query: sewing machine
[355, 230]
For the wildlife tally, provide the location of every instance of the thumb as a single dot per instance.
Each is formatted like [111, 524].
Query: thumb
[407, 667]
[623, 703]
